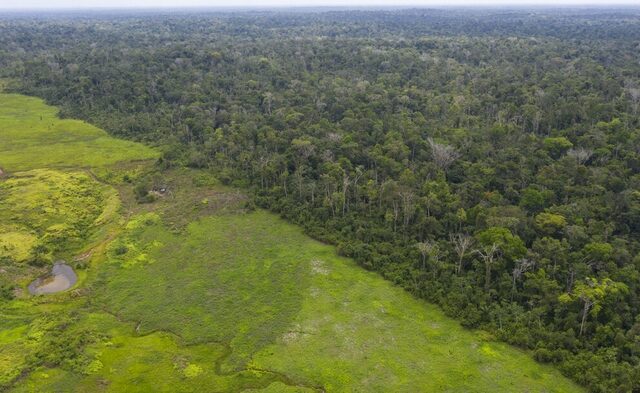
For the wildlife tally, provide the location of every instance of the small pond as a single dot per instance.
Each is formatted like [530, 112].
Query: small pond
[62, 277]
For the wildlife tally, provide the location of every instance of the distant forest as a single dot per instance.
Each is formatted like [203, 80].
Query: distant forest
[486, 160]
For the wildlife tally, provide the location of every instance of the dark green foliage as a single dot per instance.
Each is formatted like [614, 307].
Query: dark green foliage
[519, 129]
[6, 291]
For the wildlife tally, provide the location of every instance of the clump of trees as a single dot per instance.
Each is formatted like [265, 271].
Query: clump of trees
[483, 161]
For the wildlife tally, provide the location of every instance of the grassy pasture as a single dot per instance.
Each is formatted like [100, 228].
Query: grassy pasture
[247, 302]
[49, 215]
[286, 303]
[52, 208]
[32, 137]
[156, 362]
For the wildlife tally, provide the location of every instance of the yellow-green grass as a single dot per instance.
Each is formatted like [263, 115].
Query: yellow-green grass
[52, 205]
[32, 136]
[285, 303]
[16, 243]
[52, 208]
[155, 362]
[57, 210]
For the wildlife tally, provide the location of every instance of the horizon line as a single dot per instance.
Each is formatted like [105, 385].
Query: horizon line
[443, 4]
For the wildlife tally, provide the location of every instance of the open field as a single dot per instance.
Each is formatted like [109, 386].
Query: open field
[287, 303]
[53, 207]
[32, 136]
[194, 292]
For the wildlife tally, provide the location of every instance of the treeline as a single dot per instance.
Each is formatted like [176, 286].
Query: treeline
[487, 161]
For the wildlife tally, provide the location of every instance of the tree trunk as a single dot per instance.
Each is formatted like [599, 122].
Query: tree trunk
[585, 312]
[487, 276]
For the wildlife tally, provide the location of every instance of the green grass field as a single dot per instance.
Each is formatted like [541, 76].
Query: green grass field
[53, 209]
[32, 136]
[52, 205]
[194, 293]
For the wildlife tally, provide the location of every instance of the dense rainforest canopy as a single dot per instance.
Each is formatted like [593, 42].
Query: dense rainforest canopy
[485, 160]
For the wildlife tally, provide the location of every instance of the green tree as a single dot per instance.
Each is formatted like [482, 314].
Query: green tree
[549, 223]
[557, 146]
[592, 293]
[511, 246]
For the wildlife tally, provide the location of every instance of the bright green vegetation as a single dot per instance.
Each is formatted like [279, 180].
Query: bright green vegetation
[47, 212]
[52, 208]
[287, 303]
[245, 293]
[126, 362]
[52, 205]
[196, 292]
[32, 136]
[226, 275]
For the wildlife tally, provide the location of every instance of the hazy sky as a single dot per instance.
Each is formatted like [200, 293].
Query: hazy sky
[288, 3]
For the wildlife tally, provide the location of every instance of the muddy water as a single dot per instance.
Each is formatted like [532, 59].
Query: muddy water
[62, 277]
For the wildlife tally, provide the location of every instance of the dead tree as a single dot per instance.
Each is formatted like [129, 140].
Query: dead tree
[580, 154]
[408, 206]
[443, 155]
[522, 266]
[488, 255]
[431, 250]
[634, 94]
[461, 244]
